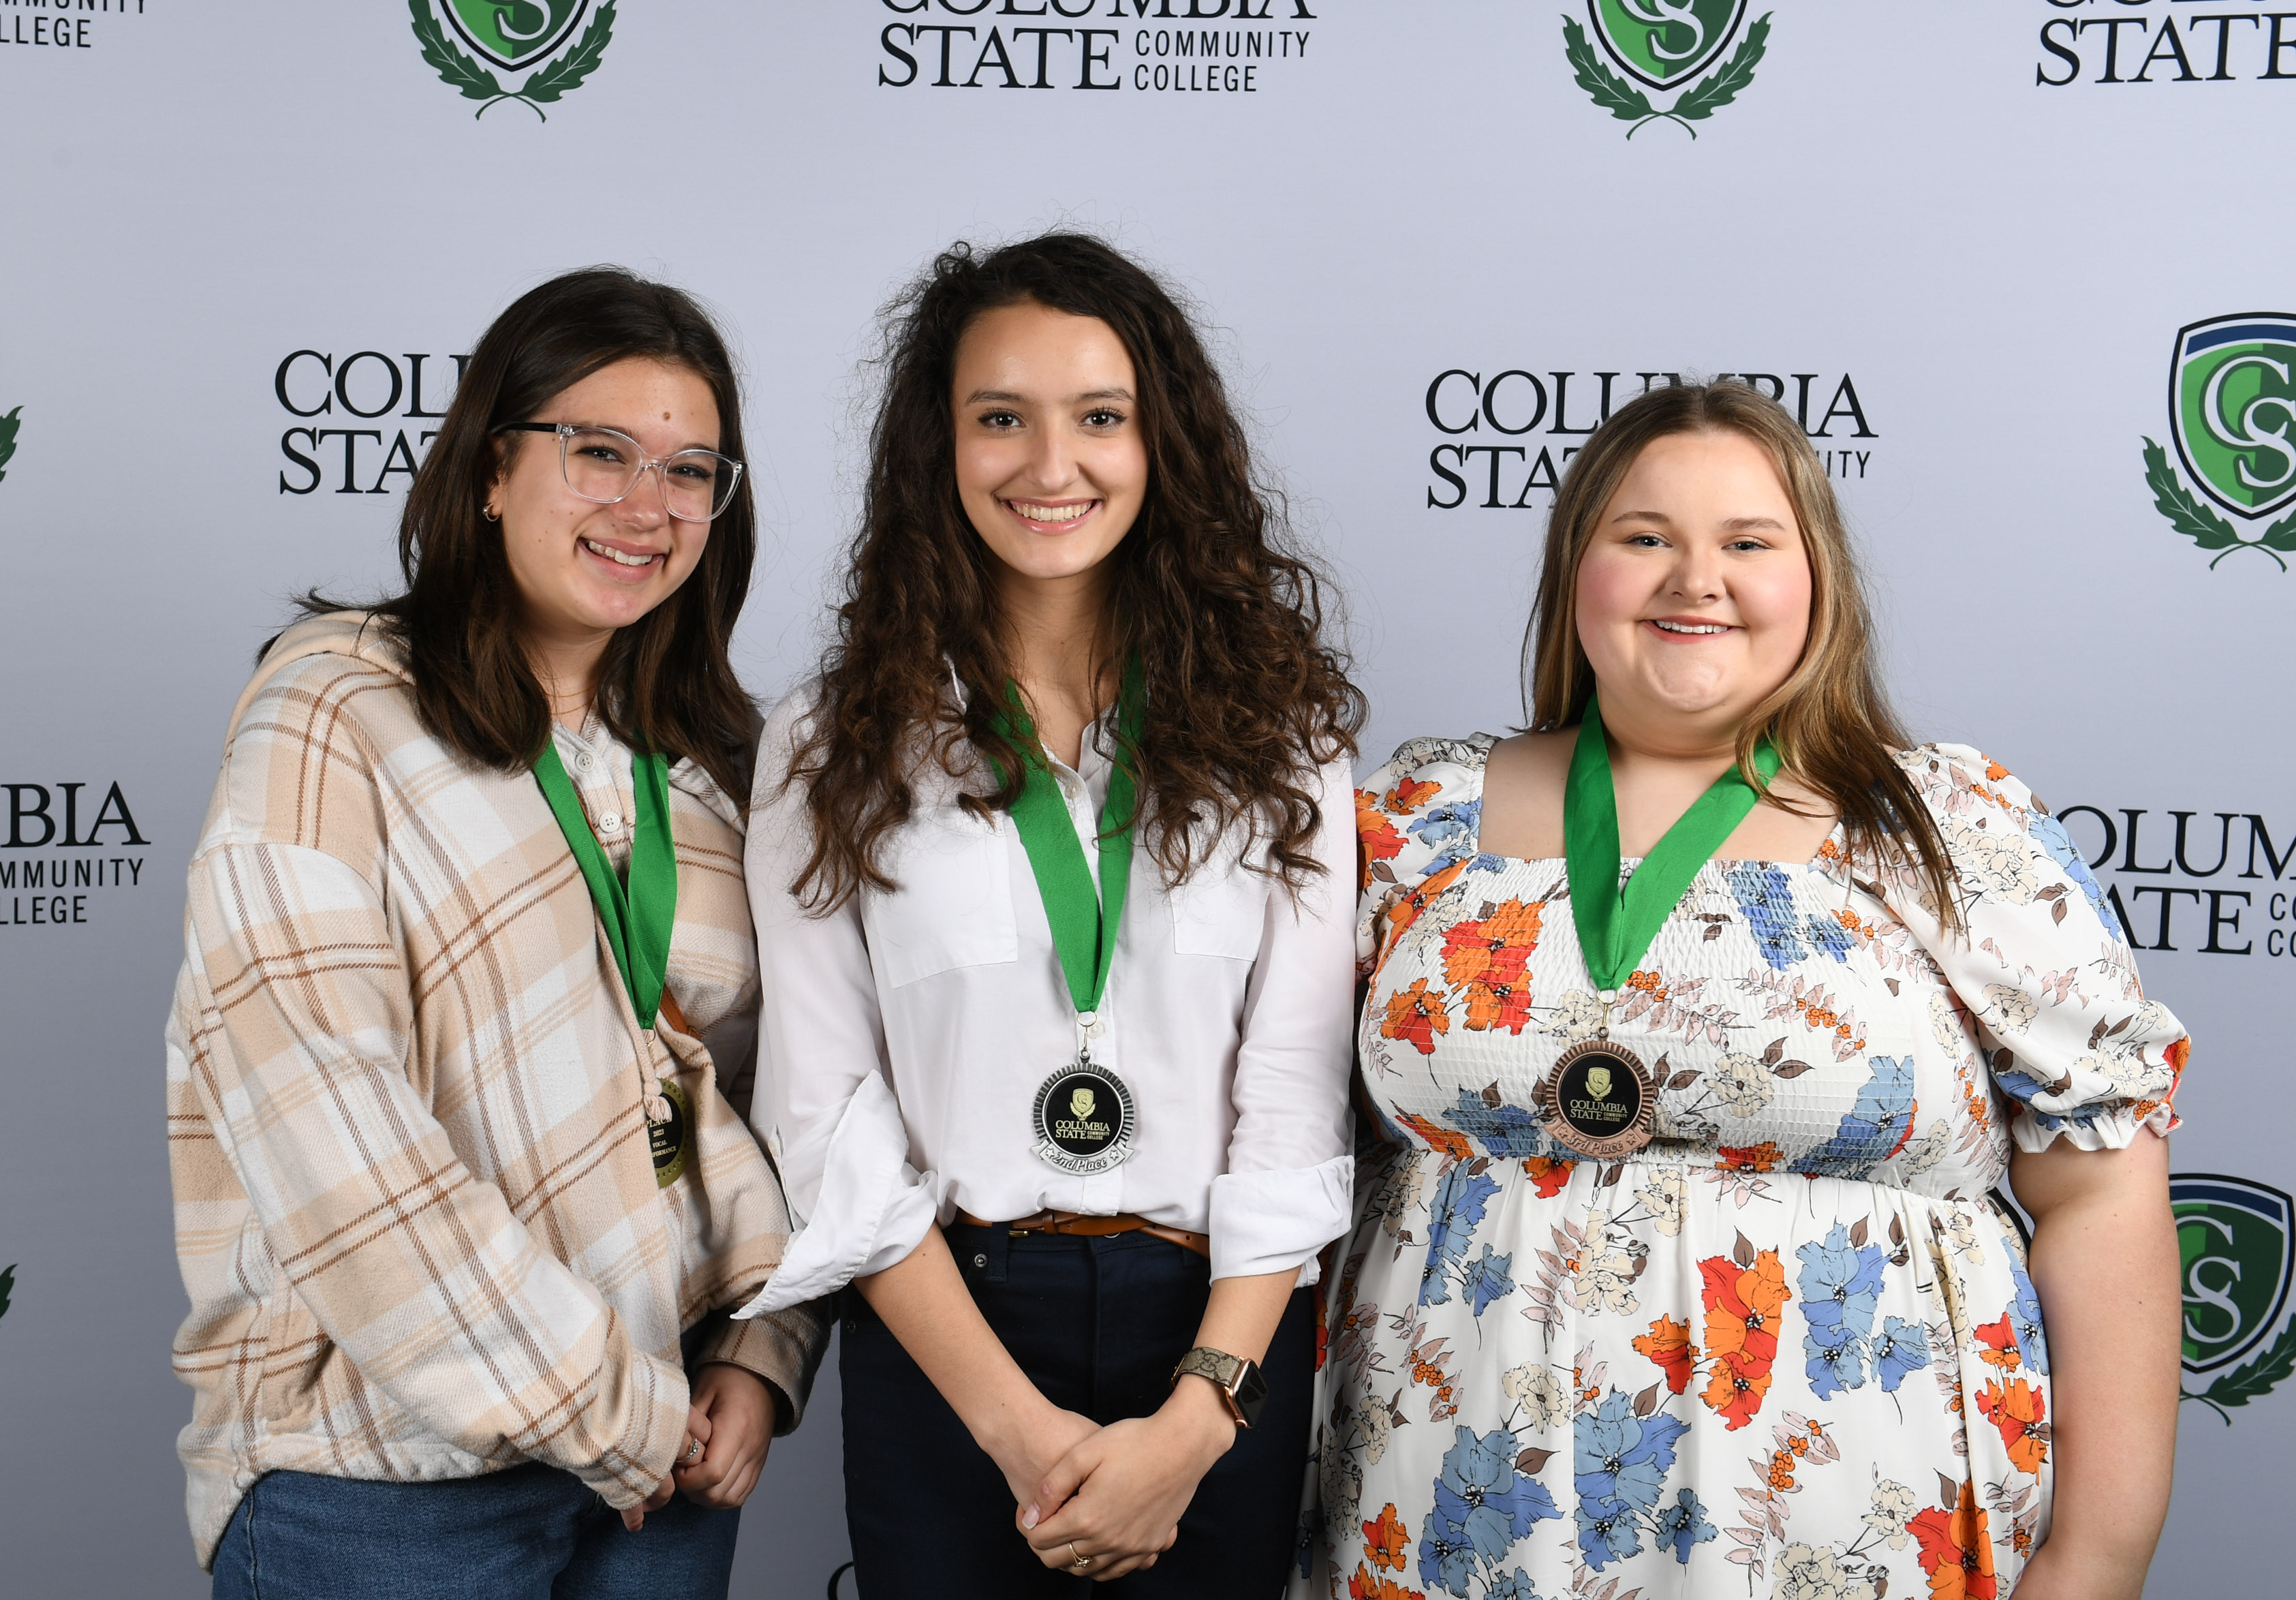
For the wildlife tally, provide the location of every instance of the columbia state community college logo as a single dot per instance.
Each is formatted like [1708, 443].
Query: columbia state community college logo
[2232, 416]
[1660, 45]
[2233, 1246]
[515, 36]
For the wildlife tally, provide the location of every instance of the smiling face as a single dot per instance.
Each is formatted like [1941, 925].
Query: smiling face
[584, 570]
[1051, 464]
[1693, 593]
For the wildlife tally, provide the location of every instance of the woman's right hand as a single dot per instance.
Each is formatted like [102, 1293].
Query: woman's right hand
[1035, 1446]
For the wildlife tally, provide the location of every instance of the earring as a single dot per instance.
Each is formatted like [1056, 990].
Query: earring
[489, 514]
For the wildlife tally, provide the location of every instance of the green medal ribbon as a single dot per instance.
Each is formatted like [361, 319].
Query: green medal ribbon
[638, 918]
[1616, 926]
[1084, 923]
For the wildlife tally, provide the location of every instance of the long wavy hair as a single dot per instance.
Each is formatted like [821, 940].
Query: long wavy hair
[1830, 720]
[1226, 616]
[666, 683]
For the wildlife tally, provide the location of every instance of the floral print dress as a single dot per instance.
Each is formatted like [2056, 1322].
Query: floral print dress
[1789, 1348]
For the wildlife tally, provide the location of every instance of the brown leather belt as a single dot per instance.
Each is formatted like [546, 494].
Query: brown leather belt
[1097, 1228]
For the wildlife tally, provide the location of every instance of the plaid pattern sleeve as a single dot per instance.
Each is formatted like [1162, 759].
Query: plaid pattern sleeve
[418, 1215]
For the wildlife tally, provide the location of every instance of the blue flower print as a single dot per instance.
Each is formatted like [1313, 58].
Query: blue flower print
[2051, 835]
[1784, 935]
[1488, 1279]
[2025, 1319]
[1683, 1524]
[1460, 1200]
[1509, 1132]
[1482, 1507]
[1607, 1531]
[1620, 1462]
[1511, 1586]
[1450, 831]
[1841, 1284]
[1903, 1348]
[1874, 1128]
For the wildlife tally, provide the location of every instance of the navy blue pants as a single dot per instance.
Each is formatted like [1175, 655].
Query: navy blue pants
[1098, 1326]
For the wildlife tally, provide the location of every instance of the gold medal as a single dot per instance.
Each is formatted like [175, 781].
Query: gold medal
[1599, 1099]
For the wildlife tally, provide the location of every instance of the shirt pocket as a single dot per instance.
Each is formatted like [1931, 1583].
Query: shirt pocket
[953, 906]
[1221, 910]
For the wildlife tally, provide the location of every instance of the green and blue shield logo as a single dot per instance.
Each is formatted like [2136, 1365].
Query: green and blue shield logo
[515, 34]
[2232, 417]
[1665, 42]
[2233, 1250]
[2232, 399]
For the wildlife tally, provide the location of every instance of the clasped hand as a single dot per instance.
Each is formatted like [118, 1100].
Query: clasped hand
[732, 1418]
[1112, 1496]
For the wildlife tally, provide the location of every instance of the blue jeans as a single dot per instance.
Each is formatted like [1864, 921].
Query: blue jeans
[1097, 1324]
[530, 1532]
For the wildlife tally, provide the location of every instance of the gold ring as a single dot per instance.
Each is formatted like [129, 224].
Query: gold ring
[1080, 1562]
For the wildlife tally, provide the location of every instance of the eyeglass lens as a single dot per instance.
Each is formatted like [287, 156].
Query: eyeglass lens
[603, 466]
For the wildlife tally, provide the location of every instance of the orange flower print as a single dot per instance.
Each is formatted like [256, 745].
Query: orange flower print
[1375, 836]
[2001, 1344]
[1407, 910]
[1409, 795]
[1547, 1175]
[2018, 1411]
[1668, 1345]
[1748, 1157]
[1366, 1585]
[1743, 1309]
[1956, 1551]
[1450, 1141]
[1386, 1539]
[1415, 1015]
[1487, 959]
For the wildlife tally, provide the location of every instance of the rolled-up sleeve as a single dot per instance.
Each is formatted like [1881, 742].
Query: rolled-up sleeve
[823, 1106]
[1289, 1182]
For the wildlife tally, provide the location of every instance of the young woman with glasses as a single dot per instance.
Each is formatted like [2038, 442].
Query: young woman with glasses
[460, 1053]
[1052, 874]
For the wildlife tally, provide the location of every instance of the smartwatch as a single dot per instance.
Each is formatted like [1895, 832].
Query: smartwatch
[1237, 1380]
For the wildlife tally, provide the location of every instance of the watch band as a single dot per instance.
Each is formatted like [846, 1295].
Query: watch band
[1239, 1381]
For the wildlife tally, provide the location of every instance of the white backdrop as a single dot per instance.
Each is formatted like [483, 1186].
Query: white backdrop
[1904, 197]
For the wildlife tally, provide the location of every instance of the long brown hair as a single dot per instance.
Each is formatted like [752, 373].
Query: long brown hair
[1223, 613]
[1830, 720]
[666, 683]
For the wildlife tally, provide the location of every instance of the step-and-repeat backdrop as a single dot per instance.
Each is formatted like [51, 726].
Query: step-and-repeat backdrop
[2017, 265]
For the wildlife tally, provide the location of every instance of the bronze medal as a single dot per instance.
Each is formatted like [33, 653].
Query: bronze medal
[1599, 1100]
[671, 1140]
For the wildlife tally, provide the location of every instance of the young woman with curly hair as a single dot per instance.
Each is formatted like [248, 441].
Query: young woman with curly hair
[1069, 1117]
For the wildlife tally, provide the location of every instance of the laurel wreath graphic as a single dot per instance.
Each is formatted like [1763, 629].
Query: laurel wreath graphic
[1701, 101]
[7, 1287]
[2242, 1384]
[546, 86]
[8, 426]
[2193, 517]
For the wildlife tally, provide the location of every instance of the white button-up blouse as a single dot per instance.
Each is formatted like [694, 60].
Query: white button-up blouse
[903, 1037]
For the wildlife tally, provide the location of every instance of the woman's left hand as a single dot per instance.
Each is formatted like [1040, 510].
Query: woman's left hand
[742, 1413]
[1119, 1494]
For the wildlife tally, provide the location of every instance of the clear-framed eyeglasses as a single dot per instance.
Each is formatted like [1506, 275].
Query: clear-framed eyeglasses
[604, 464]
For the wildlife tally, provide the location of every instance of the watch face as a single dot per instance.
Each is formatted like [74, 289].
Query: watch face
[1251, 1393]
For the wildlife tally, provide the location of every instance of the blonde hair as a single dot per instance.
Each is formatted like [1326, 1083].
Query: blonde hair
[1830, 720]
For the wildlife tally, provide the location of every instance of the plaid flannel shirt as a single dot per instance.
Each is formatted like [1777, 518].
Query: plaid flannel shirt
[417, 1208]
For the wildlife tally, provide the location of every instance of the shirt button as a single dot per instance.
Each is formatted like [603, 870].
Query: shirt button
[586, 763]
[610, 823]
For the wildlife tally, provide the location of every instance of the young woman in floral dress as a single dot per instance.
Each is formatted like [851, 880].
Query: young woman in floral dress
[1780, 1339]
